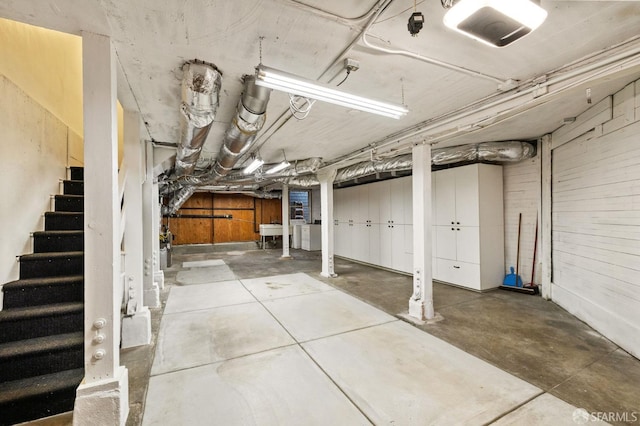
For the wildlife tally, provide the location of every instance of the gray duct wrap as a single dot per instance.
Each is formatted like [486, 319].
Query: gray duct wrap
[242, 131]
[496, 152]
[366, 168]
[200, 98]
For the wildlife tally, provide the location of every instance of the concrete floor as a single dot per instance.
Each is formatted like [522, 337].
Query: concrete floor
[548, 362]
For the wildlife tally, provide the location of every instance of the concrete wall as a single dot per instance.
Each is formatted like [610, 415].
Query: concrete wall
[522, 192]
[596, 217]
[35, 146]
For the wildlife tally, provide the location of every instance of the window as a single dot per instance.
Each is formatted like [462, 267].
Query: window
[299, 205]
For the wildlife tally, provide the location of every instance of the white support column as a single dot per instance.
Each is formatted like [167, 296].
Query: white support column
[158, 274]
[545, 235]
[103, 396]
[421, 301]
[151, 295]
[136, 324]
[285, 221]
[326, 178]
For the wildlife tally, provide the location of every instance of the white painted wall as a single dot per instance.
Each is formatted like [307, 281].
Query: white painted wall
[596, 218]
[34, 156]
[522, 186]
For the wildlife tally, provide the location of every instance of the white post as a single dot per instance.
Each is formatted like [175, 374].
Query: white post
[158, 274]
[136, 324]
[103, 396]
[151, 290]
[285, 221]
[545, 235]
[421, 301]
[326, 213]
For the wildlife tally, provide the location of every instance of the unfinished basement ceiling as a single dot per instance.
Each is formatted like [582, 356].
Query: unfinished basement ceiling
[154, 38]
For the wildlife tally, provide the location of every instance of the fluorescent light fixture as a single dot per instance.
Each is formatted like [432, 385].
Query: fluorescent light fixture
[253, 166]
[277, 167]
[280, 80]
[496, 23]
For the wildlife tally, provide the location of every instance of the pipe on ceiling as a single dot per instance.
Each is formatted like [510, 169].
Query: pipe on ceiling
[241, 133]
[200, 99]
[492, 152]
[247, 122]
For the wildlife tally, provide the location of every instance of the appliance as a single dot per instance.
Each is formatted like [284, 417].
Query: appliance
[496, 23]
[286, 82]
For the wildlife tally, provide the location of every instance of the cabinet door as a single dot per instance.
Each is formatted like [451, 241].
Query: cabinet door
[397, 194]
[374, 243]
[466, 196]
[361, 204]
[386, 247]
[445, 242]
[338, 205]
[407, 196]
[468, 244]
[445, 197]
[360, 242]
[375, 190]
[385, 202]
[342, 239]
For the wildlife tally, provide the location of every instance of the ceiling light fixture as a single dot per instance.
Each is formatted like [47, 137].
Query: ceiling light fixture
[253, 166]
[280, 80]
[280, 166]
[496, 23]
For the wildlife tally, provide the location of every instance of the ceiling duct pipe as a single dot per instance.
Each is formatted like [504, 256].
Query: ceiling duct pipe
[249, 119]
[200, 98]
[494, 152]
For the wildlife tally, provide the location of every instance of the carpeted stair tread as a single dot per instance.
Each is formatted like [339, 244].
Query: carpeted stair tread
[58, 241]
[43, 282]
[55, 254]
[56, 342]
[43, 291]
[18, 314]
[40, 385]
[73, 187]
[69, 203]
[76, 173]
[63, 221]
[63, 232]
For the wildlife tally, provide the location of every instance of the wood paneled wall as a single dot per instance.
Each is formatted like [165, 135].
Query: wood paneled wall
[247, 214]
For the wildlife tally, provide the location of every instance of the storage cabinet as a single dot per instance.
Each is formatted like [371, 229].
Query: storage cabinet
[373, 223]
[468, 226]
[311, 237]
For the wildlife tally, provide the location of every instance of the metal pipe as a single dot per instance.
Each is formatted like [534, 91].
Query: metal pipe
[241, 133]
[200, 98]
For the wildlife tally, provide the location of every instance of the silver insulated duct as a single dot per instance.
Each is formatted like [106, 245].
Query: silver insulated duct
[249, 119]
[495, 152]
[200, 98]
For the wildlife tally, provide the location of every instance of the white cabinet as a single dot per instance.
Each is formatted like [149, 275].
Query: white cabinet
[468, 226]
[311, 237]
[373, 223]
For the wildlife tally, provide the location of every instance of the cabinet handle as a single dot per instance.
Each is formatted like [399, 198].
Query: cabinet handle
[457, 229]
[457, 223]
[456, 267]
[453, 229]
[452, 223]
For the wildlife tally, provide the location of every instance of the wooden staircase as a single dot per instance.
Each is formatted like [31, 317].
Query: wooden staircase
[42, 321]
